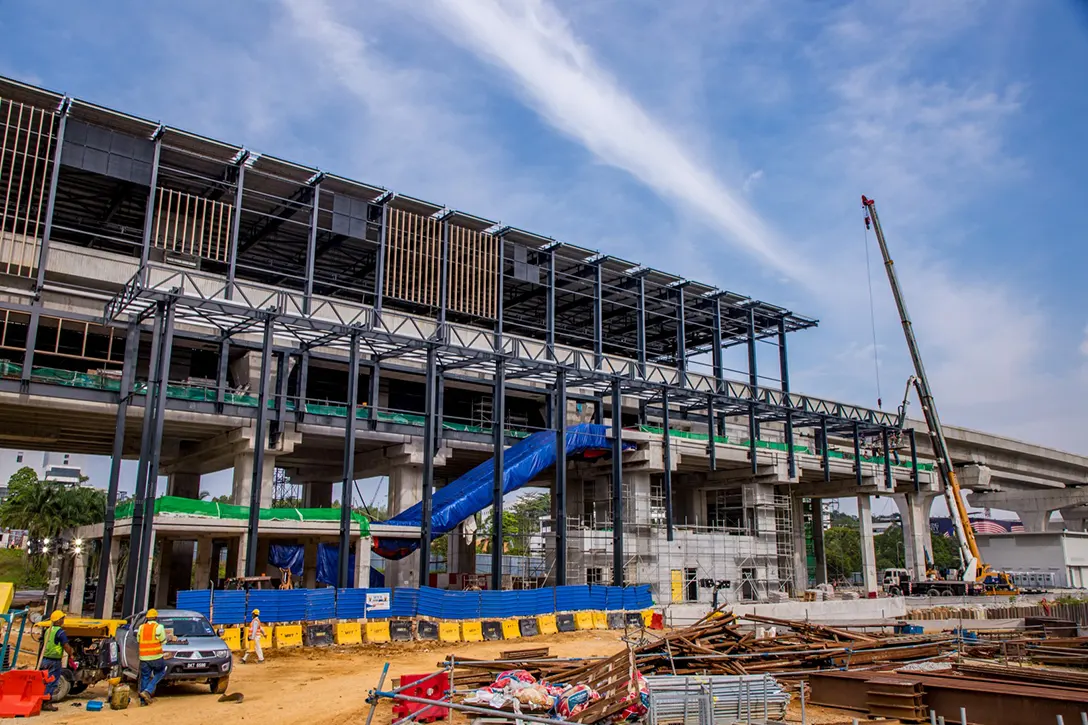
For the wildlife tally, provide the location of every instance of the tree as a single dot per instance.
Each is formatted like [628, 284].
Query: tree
[889, 549]
[45, 509]
[842, 548]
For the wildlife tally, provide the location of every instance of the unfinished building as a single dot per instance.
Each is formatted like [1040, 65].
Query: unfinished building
[197, 307]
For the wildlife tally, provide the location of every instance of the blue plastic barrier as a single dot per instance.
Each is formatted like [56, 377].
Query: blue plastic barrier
[321, 604]
[405, 602]
[229, 607]
[199, 600]
[351, 603]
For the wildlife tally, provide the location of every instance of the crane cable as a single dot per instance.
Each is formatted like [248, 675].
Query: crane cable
[872, 318]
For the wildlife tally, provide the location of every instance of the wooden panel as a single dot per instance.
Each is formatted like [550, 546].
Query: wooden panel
[193, 225]
[26, 163]
[472, 271]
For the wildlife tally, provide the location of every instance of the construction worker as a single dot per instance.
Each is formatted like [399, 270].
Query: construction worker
[150, 638]
[56, 646]
[256, 631]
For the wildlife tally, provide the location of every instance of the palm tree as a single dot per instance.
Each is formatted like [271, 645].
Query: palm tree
[45, 509]
[204, 495]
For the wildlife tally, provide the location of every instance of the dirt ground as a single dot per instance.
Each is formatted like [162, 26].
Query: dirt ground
[329, 686]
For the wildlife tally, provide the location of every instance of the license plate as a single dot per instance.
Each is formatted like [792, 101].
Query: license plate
[194, 665]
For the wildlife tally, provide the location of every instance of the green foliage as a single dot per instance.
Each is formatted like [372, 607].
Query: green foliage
[521, 520]
[842, 545]
[45, 509]
[15, 568]
[889, 549]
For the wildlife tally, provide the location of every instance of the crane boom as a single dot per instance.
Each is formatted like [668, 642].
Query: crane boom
[973, 566]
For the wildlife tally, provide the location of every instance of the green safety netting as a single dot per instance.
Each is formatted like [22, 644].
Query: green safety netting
[776, 446]
[177, 506]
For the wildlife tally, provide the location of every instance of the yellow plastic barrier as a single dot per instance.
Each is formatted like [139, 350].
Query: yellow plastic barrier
[547, 624]
[7, 594]
[232, 636]
[472, 631]
[583, 620]
[600, 620]
[347, 633]
[647, 617]
[287, 635]
[510, 629]
[449, 631]
[378, 632]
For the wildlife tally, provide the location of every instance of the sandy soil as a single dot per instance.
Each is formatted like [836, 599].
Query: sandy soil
[329, 686]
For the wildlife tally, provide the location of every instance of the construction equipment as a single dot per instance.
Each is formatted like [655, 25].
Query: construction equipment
[95, 653]
[974, 569]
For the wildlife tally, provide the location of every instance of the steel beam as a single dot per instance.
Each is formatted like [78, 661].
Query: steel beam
[344, 573]
[857, 453]
[372, 398]
[221, 375]
[124, 396]
[128, 602]
[824, 452]
[303, 383]
[887, 459]
[753, 433]
[428, 467]
[681, 336]
[753, 364]
[549, 321]
[913, 459]
[232, 261]
[149, 208]
[498, 434]
[500, 287]
[716, 353]
[560, 423]
[260, 441]
[598, 331]
[311, 250]
[617, 483]
[162, 381]
[784, 374]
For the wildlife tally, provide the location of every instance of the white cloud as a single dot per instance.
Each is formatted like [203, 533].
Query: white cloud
[1084, 344]
[559, 77]
[751, 180]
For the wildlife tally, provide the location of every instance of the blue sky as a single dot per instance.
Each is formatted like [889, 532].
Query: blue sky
[729, 142]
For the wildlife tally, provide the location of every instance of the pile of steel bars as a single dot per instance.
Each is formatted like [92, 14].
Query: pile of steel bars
[713, 699]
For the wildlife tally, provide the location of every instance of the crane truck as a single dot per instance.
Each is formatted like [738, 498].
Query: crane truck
[977, 577]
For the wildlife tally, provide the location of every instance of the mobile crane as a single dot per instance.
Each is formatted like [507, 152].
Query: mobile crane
[974, 570]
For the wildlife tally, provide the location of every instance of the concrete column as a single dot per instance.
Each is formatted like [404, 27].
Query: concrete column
[111, 578]
[79, 582]
[818, 551]
[405, 490]
[309, 563]
[243, 479]
[362, 562]
[800, 557]
[1033, 519]
[237, 556]
[150, 564]
[868, 547]
[637, 499]
[914, 511]
[203, 572]
[461, 555]
[184, 484]
[317, 495]
[162, 576]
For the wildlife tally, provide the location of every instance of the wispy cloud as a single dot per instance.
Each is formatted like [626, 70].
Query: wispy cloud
[751, 180]
[559, 77]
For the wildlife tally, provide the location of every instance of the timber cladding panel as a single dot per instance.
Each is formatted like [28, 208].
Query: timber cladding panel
[192, 225]
[26, 149]
[413, 264]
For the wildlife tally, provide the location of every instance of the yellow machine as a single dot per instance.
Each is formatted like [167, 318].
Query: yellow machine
[92, 641]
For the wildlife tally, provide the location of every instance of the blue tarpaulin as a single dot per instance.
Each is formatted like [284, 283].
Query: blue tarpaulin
[287, 556]
[474, 491]
[328, 563]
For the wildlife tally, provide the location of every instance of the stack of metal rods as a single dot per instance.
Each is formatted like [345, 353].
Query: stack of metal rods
[712, 699]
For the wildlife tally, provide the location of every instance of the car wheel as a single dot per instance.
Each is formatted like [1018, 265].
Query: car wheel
[63, 687]
[946, 593]
[218, 686]
[894, 591]
[933, 593]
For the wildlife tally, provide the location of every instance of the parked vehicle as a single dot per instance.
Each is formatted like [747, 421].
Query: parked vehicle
[193, 651]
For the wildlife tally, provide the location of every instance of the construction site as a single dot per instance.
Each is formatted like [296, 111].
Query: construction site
[197, 307]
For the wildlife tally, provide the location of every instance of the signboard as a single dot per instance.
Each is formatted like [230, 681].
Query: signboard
[378, 601]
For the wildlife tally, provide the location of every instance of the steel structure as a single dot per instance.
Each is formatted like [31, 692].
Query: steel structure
[240, 250]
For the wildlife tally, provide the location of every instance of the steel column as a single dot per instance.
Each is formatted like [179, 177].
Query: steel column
[666, 454]
[232, 262]
[428, 468]
[161, 385]
[559, 410]
[549, 312]
[43, 253]
[825, 458]
[379, 266]
[140, 490]
[598, 319]
[221, 376]
[311, 250]
[124, 396]
[303, 383]
[711, 448]
[617, 484]
[887, 459]
[681, 337]
[344, 571]
[716, 353]
[640, 326]
[498, 424]
[440, 407]
[372, 401]
[260, 441]
[753, 433]
[753, 364]
[784, 370]
[149, 208]
[499, 296]
[857, 453]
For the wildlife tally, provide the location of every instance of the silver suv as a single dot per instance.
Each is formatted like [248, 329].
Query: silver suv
[193, 651]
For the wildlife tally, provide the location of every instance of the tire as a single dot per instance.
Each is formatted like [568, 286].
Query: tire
[894, 591]
[218, 686]
[77, 687]
[933, 593]
[64, 687]
[946, 593]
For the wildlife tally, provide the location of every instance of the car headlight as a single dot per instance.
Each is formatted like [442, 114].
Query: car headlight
[222, 653]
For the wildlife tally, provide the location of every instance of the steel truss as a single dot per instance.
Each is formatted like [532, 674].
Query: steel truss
[231, 309]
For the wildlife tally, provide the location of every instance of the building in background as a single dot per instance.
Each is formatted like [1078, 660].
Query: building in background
[66, 468]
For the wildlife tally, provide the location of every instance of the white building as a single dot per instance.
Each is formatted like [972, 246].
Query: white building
[59, 467]
[1063, 554]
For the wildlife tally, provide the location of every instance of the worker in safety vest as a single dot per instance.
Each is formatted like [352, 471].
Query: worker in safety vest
[56, 646]
[151, 635]
[256, 632]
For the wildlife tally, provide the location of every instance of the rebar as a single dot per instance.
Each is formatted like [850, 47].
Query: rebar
[728, 697]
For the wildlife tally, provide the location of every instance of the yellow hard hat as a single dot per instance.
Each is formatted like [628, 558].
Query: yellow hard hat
[56, 616]
[256, 612]
[152, 613]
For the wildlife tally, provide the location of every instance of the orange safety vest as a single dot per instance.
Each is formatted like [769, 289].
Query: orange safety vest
[150, 646]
